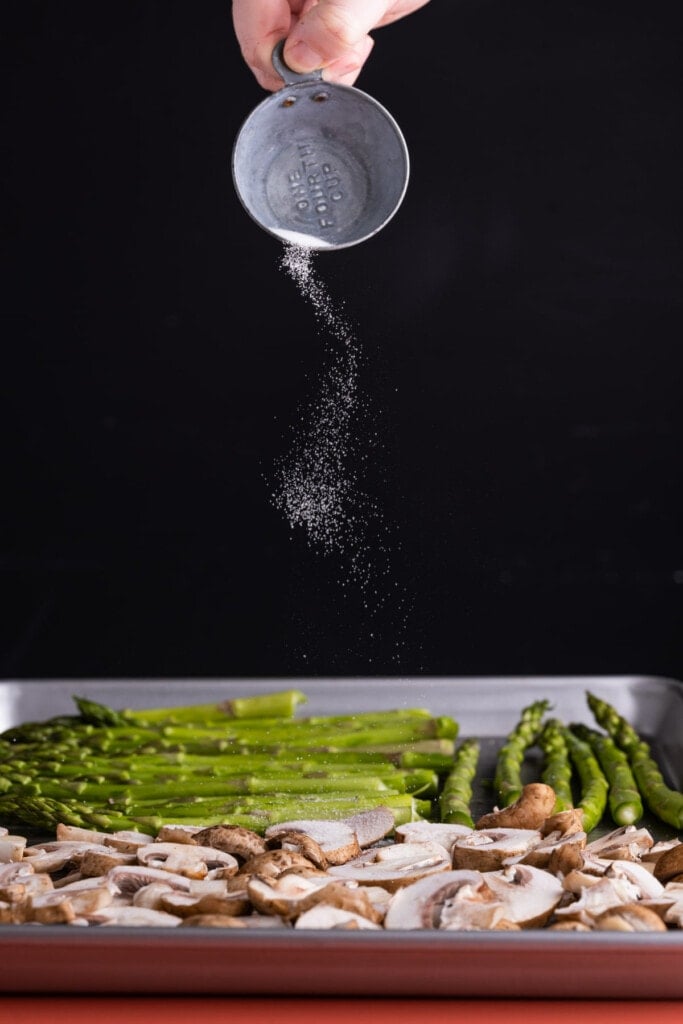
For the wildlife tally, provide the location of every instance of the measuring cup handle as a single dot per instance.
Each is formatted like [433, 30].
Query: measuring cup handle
[292, 77]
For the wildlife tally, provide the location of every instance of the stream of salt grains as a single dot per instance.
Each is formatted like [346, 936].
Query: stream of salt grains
[319, 485]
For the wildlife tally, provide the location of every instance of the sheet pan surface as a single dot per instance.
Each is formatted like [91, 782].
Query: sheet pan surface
[195, 961]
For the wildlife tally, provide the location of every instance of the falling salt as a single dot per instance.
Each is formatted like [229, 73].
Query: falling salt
[319, 485]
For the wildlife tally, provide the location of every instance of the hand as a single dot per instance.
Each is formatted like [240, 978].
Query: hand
[328, 34]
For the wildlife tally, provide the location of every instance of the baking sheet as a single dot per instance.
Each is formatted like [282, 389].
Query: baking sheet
[465, 964]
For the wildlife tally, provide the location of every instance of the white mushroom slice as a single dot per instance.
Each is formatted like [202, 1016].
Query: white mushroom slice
[656, 851]
[625, 843]
[452, 899]
[565, 822]
[323, 915]
[3, 831]
[189, 904]
[131, 916]
[648, 886]
[439, 832]
[51, 908]
[577, 881]
[604, 895]
[304, 845]
[131, 877]
[371, 826]
[392, 867]
[288, 895]
[491, 849]
[177, 833]
[83, 902]
[11, 848]
[630, 917]
[530, 895]
[674, 915]
[14, 871]
[214, 921]
[125, 841]
[149, 896]
[57, 855]
[185, 859]
[337, 840]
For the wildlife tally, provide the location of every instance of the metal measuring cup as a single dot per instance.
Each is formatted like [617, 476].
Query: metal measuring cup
[319, 165]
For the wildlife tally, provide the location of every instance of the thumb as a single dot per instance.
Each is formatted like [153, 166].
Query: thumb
[333, 32]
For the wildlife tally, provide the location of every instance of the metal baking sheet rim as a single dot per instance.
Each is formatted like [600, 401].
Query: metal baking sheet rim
[532, 964]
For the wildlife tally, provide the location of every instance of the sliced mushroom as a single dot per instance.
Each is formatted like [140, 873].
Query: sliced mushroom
[124, 841]
[186, 859]
[491, 849]
[669, 864]
[655, 852]
[630, 917]
[149, 896]
[439, 832]
[95, 863]
[288, 895]
[178, 833]
[649, 887]
[325, 916]
[242, 843]
[392, 867]
[625, 843]
[130, 877]
[213, 921]
[303, 844]
[568, 926]
[455, 899]
[557, 852]
[673, 891]
[594, 900]
[530, 895]
[534, 805]
[565, 822]
[188, 904]
[11, 848]
[337, 840]
[133, 917]
[371, 826]
[56, 856]
[273, 863]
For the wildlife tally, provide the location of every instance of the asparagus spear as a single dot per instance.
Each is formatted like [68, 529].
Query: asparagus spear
[594, 786]
[507, 780]
[456, 792]
[664, 802]
[557, 769]
[625, 804]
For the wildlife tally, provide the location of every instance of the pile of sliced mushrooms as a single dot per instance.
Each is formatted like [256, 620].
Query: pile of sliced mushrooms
[519, 867]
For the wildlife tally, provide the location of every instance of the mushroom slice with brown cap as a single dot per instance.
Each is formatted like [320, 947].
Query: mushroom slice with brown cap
[534, 805]
[437, 831]
[625, 843]
[557, 848]
[530, 895]
[326, 916]
[491, 849]
[371, 826]
[187, 904]
[606, 894]
[392, 867]
[130, 877]
[273, 863]
[452, 899]
[288, 895]
[94, 863]
[565, 822]
[337, 840]
[670, 864]
[630, 917]
[304, 844]
[55, 856]
[186, 859]
[242, 843]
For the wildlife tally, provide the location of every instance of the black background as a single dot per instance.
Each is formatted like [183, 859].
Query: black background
[519, 318]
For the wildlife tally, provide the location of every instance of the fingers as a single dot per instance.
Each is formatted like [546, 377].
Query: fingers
[334, 35]
[259, 25]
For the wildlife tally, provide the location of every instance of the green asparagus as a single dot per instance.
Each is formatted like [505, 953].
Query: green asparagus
[557, 768]
[593, 784]
[664, 802]
[625, 804]
[456, 792]
[507, 781]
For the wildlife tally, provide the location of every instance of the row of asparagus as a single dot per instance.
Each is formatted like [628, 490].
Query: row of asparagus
[252, 762]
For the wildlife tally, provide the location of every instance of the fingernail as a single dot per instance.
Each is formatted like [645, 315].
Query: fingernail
[300, 57]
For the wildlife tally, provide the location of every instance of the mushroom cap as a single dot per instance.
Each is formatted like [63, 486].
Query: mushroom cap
[625, 843]
[325, 915]
[670, 864]
[234, 839]
[534, 805]
[337, 839]
[630, 917]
